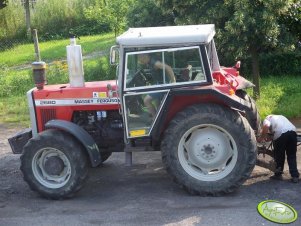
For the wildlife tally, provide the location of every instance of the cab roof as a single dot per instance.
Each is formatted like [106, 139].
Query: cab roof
[169, 35]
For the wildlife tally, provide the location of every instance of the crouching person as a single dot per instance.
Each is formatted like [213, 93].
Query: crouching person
[284, 141]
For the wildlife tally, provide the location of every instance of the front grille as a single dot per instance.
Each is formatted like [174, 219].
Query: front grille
[47, 115]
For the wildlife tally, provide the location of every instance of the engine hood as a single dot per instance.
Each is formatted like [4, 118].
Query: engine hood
[90, 90]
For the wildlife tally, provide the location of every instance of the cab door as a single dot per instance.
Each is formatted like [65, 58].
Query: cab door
[148, 77]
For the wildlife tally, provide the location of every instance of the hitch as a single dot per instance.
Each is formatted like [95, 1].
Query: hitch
[266, 149]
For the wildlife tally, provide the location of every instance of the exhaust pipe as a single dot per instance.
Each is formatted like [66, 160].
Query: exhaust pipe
[75, 64]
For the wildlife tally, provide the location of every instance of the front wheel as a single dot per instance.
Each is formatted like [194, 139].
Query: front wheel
[209, 149]
[53, 164]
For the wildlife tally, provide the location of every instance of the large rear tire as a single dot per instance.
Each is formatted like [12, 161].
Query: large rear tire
[54, 164]
[252, 116]
[209, 149]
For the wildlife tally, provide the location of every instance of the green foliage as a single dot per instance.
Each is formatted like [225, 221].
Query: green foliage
[3, 4]
[241, 25]
[254, 24]
[14, 82]
[117, 12]
[14, 110]
[280, 95]
[146, 13]
[99, 70]
[54, 50]
[57, 19]
[287, 63]
[18, 82]
[244, 27]
[12, 25]
[95, 19]
[292, 20]
[53, 18]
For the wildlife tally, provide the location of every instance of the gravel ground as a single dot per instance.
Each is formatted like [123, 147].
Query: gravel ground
[142, 194]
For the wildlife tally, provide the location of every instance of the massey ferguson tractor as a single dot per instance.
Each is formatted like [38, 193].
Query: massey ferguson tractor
[171, 95]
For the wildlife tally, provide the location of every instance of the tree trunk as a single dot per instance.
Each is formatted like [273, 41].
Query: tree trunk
[255, 70]
[27, 18]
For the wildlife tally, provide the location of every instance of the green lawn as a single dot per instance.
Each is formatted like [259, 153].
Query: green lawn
[280, 95]
[14, 110]
[54, 50]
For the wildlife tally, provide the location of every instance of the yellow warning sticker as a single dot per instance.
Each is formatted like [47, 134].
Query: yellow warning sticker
[100, 95]
[137, 133]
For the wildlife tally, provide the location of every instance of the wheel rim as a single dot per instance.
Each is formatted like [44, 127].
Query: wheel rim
[207, 152]
[51, 168]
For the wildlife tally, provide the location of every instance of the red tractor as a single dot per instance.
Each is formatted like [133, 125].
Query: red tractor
[171, 96]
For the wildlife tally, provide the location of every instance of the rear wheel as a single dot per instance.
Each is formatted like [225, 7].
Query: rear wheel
[209, 149]
[54, 164]
[252, 116]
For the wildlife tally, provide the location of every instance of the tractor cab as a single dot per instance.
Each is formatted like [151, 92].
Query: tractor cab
[157, 61]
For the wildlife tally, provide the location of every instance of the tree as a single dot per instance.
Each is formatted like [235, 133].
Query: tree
[117, 11]
[146, 13]
[292, 20]
[111, 12]
[3, 3]
[243, 26]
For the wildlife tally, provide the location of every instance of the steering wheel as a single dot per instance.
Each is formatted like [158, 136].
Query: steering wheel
[139, 79]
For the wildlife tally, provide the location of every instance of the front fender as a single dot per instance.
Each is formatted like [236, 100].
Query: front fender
[81, 135]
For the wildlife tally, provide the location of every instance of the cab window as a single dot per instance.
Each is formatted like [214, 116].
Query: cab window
[166, 67]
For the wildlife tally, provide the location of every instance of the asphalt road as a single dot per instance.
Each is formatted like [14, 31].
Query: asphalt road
[142, 194]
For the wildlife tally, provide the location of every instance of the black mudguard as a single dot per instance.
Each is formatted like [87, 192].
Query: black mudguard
[81, 135]
[18, 141]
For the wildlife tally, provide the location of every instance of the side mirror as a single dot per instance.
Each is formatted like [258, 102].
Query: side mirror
[114, 55]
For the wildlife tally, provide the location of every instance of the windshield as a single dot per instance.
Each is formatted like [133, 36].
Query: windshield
[163, 67]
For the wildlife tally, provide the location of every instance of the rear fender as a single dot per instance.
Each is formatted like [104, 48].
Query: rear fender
[179, 99]
[81, 135]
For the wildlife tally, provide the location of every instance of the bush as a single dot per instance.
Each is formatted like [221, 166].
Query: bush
[54, 19]
[146, 13]
[275, 64]
[12, 25]
[99, 70]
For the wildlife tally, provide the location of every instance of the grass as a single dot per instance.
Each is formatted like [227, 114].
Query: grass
[54, 50]
[14, 110]
[280, 95]
[15, 82]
